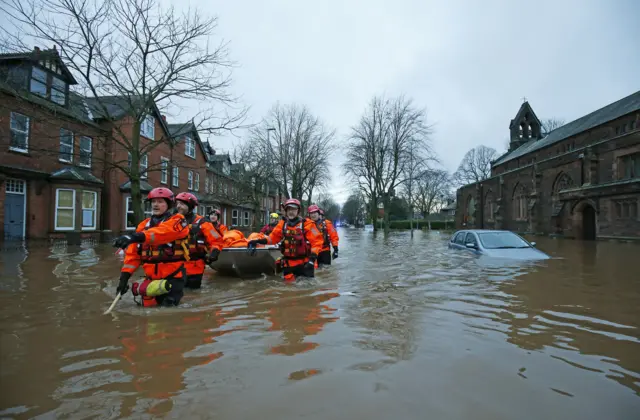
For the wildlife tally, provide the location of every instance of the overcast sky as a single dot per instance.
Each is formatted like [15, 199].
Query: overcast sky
[469, 63]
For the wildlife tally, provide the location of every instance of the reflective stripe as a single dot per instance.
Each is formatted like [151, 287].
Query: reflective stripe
[129, 266]
[215, 234]
[153, 238]
[314, 231]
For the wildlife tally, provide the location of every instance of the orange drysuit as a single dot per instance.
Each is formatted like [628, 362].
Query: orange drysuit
[301, 240]
[160, 255]
[222, 229]
[329, 238]
[203, 238]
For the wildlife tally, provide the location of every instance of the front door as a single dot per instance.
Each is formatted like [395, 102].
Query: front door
[14, 209]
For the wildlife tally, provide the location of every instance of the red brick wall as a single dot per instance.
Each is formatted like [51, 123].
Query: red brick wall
[116, 214]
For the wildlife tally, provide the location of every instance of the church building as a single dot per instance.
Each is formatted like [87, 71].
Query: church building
[580, 180]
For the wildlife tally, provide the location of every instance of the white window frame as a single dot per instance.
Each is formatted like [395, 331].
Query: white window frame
[127, 210]
[190, 180]
[196, 185]
[189, 147]
[94, 209]
[72, 208]
[14, 130]
[72, 147]
[80, 158]
[144, 162]
[207, 184]
[148, 127]
[246, 218]
[175, 176]
[164, 171]
[235, 215]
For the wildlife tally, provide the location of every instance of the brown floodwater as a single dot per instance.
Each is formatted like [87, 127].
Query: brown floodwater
[398, 328]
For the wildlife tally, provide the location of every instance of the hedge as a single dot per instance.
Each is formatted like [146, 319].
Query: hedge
[423, 224]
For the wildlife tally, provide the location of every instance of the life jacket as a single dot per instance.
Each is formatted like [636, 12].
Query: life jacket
[155, 254]
[294, 243]
[196, 241]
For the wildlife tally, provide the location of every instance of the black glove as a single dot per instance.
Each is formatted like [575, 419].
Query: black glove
[335, 252]
[309, 268]
[251, 246]
[213, 256]
[123, 286]
[125, 240]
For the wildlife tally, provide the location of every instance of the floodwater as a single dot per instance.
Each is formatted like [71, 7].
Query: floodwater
[398, 328]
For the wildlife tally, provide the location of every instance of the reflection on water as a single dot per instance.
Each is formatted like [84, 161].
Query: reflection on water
[397, 327]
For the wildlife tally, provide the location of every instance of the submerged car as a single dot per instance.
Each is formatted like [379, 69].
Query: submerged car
[496, 243]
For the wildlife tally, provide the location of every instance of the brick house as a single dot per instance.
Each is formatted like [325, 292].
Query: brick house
[51, 168]
[226, 189]
[581, 180]
[59, 151]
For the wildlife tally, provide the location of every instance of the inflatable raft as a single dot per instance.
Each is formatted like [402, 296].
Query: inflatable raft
[237, 262]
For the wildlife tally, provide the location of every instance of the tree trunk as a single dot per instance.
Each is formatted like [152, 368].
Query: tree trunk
[411, 220]
[134, 176]
[385, 220]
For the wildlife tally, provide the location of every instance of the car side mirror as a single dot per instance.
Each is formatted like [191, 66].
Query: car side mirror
[471, 245]
[533, 244]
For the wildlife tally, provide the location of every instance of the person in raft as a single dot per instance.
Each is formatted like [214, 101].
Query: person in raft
[301, 242]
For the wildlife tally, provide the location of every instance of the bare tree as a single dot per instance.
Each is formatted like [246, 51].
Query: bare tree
[418, 159]
[380, 149]
[129, 57]
[353, 210]
[550, 124]
[329, 206]
[297, 149]
[475, 166]
[433, 186]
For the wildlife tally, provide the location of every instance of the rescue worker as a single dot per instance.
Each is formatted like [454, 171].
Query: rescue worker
[301, 242]
[273, 221]
[214, 217]
[154, 246]
[204, 242]
[329, 235]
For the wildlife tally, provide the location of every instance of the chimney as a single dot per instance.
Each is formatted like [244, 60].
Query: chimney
[36, 49]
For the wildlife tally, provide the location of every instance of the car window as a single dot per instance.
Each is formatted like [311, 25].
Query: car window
[502, 240]
[471, 239]
[460, 238]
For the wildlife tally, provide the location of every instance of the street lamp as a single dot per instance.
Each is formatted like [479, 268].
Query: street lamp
[266, 208]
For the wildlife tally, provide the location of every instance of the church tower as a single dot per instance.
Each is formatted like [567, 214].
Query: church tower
[524, 127]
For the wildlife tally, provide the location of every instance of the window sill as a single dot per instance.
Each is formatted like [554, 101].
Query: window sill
[65, 161]
[63, 229]
[89, 229]
[24, 152]
[84, 166]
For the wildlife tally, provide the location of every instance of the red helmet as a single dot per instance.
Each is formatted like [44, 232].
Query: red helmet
[161, 192]
[313, 208]
[292, 202]
[216, 211]
[188, 198]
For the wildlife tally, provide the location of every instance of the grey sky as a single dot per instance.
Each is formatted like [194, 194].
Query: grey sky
[468, 62]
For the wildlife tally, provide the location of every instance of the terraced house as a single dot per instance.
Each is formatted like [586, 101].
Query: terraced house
[227, 188]
[59, 174]
[581, 180]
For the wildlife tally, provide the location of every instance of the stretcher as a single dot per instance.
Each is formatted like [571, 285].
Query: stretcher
[237, 262]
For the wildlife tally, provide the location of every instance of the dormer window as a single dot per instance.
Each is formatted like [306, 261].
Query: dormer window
[48, 85]
[189, 147]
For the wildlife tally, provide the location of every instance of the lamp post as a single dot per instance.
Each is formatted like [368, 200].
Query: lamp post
[266, 207]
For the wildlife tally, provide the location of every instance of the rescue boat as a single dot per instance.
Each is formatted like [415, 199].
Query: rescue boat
[238, 262]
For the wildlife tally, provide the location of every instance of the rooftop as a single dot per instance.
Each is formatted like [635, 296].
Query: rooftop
[601, 116]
